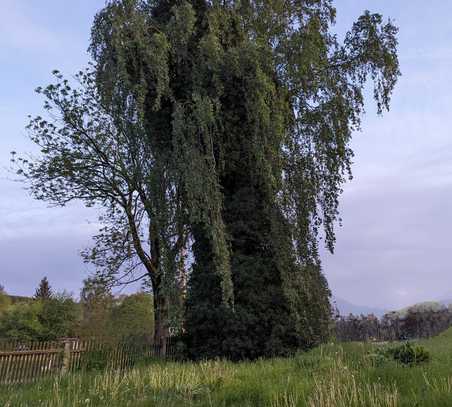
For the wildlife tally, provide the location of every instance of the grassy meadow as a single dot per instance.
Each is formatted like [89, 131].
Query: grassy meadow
[333, 375]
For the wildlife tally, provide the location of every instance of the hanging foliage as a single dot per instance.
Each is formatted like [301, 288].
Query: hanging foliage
[238, 121]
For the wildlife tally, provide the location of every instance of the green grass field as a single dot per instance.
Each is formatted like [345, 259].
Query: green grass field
[344, 375]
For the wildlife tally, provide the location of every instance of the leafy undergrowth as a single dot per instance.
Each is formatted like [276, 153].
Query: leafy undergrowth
[345, 375]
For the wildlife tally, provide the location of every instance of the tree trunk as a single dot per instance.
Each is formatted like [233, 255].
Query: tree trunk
[161, 331]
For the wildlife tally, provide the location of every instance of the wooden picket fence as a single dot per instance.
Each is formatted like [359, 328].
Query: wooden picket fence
[23, 362]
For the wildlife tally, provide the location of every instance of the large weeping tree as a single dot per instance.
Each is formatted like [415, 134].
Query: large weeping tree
[239, 115]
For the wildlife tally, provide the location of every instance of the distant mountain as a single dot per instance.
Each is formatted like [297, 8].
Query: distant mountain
[345, 308]
[447, 301]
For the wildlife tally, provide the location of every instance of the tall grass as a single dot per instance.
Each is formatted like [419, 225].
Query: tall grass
[329, 376]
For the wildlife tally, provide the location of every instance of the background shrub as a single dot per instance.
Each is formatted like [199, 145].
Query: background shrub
[409, 354]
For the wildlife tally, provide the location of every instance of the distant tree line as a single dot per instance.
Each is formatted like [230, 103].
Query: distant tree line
[50, 315]
[419, 321]
[100, 314]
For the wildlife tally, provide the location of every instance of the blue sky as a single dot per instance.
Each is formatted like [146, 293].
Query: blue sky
[393, 248]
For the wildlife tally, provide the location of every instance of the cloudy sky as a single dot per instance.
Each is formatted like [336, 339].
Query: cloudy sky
[394, 246]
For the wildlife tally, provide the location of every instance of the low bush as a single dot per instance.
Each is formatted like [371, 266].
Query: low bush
[96, 359]
[406, 354]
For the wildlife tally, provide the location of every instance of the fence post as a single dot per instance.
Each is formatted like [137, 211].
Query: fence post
[66, 357]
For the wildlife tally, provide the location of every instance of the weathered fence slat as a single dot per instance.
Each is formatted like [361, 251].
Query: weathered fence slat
[22, 362]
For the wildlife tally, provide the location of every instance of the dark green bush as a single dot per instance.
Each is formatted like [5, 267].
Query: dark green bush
[408, 354]
[96, 359]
